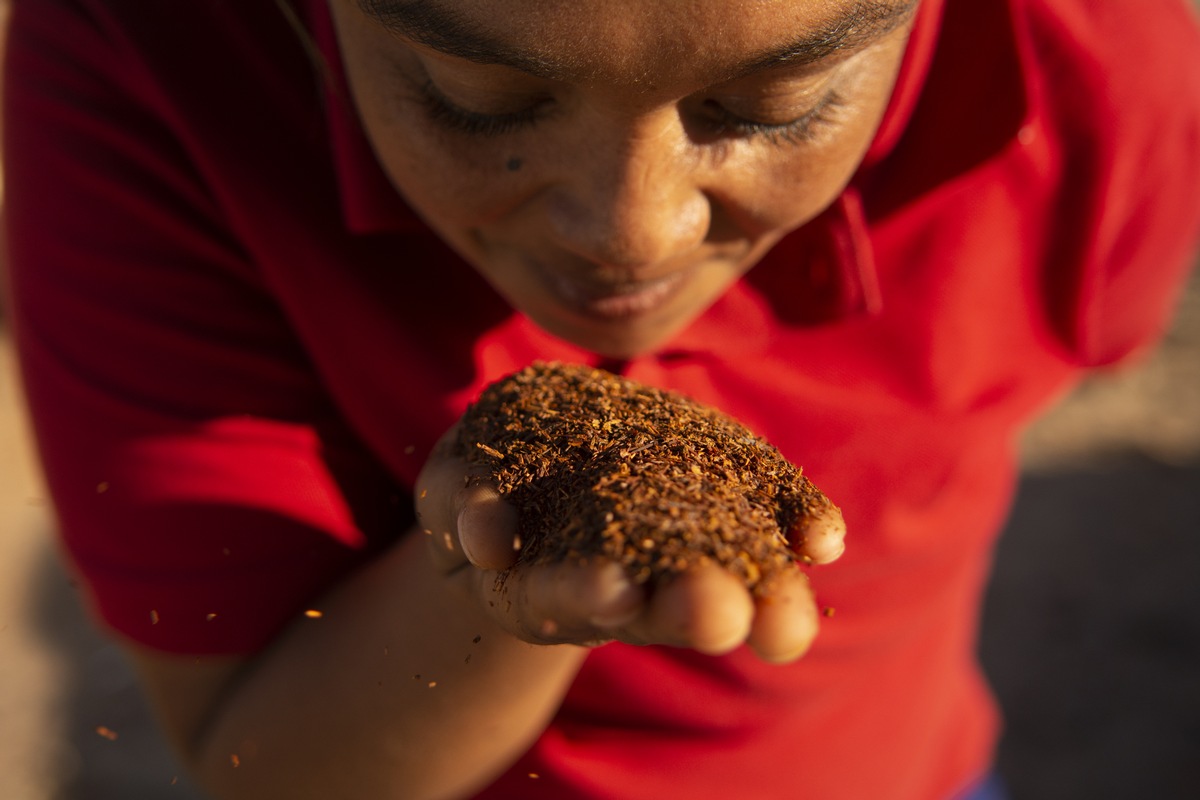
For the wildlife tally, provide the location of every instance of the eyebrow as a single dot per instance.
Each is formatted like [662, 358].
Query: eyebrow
[447, 31]
[861, 24]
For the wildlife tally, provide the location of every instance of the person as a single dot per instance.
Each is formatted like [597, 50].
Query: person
[264, 254]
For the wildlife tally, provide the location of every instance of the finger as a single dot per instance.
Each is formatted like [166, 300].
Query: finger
[822, 538]
[487, 527]
[566, 602]
[706, 609]
[451, 494]
[437, 486]
[785, 620]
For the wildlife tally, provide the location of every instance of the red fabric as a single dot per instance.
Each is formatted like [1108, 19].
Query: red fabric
[235, 343]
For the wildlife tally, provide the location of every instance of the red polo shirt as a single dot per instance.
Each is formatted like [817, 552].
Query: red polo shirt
[239, 344]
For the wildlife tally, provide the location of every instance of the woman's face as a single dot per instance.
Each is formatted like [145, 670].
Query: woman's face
[612, 166]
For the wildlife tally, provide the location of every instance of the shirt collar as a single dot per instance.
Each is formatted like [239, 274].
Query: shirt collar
[918, 56]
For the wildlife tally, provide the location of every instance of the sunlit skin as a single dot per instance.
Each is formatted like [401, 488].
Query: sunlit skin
[632, 159]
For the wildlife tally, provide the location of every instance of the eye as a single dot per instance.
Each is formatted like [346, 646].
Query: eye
[450, 115]
[796, 130]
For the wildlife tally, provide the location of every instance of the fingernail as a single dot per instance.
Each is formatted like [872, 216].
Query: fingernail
[614, 619]
[464, 538]
[836, 554]
[620, 598]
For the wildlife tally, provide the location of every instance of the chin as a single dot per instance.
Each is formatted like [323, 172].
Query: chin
[614, 341]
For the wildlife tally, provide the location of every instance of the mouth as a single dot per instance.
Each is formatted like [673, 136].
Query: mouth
[615, 300]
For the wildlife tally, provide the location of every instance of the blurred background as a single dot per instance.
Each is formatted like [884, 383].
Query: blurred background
[1091, 629]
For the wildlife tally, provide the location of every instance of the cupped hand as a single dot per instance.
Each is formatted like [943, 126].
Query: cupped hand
[473, 541]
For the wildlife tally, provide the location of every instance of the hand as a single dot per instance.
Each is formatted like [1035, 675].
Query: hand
[473, 540]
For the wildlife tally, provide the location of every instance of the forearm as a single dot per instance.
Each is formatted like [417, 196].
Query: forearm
[418, 679]
[401, 689]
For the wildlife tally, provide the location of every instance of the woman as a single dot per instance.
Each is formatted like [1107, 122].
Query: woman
[265, 253]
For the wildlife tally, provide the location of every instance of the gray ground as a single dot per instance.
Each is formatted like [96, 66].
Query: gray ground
[1092, 626]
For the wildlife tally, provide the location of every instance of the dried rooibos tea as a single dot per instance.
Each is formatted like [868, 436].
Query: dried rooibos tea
[602, 466]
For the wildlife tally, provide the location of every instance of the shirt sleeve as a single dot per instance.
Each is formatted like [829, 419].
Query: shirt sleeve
[1125, 86]
[206, 488]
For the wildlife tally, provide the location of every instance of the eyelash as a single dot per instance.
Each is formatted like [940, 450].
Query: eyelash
[797, 131]
[442, 111]
[453, 117]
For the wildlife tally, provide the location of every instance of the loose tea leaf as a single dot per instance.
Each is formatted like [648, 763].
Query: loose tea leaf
[598, 465]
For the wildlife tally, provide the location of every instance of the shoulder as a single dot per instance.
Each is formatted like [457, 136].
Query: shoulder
[1116, 86]
[1137, 35]
[188, 93]
[201, 36]
[1115, 65]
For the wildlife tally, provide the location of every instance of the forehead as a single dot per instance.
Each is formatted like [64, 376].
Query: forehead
[643, 42]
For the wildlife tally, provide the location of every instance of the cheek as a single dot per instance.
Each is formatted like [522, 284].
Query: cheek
[449, 182]
[780, 189]
[460, 185]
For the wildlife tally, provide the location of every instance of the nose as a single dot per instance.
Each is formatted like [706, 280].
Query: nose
[634, 199]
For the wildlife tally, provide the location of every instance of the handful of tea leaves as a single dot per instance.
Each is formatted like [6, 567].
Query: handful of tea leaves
[600, 466]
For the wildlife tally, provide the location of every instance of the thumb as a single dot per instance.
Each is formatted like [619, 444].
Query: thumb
[487, 527]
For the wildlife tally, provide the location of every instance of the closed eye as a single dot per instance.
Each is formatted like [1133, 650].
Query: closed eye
[794, 131]
[722, 122]
[452, 116]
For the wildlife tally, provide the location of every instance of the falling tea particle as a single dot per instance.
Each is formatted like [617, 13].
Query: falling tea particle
[313, 613]
[107, 733]
[153, 617]
[101, 487]
[828, 611]
[234, 760]
[209, 617]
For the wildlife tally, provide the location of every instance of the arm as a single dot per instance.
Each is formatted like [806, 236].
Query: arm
[335, 706]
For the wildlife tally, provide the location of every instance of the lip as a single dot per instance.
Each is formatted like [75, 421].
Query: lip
[614, 301]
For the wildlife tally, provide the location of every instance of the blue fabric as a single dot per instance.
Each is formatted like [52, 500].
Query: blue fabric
[990, 788]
